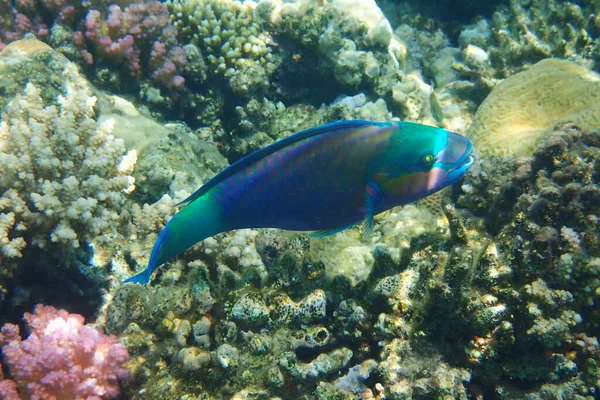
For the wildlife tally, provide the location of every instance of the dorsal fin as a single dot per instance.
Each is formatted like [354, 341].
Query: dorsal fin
[259, 154]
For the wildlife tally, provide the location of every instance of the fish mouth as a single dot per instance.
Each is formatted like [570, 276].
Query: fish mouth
[443, 176]
[463, 165]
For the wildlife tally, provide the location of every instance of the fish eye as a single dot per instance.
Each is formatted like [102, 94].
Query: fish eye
[428, 159]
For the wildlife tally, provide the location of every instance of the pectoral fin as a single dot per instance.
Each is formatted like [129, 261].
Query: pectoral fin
[373, 198]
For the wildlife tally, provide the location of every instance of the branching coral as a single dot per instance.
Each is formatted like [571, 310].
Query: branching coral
[124, 46]
[38, 17]
[64, 180]
[230, 42]
[138, 36]
[62, 358]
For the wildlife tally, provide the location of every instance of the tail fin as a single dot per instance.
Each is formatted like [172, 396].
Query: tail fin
[194, 222]
[156, 257]
[141, 277]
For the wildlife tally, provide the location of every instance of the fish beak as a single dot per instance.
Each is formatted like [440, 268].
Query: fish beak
[462, 166]
[452, 162]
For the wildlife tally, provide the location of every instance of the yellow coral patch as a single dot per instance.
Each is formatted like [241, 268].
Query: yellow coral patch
[524, 108]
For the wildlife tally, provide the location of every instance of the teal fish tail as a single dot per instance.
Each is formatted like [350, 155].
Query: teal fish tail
[195, 222]
[141, 277]
[144, 276]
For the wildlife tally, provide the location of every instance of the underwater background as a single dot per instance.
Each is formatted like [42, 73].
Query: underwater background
[115, 112]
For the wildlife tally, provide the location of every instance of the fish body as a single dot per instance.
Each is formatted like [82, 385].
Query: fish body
[434, 106]
[325, 179]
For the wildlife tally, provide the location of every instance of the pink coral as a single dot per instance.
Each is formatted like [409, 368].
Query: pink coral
[19, 17]
[8, 388]
[166, 66]
[120, 37]
[62, 358]
[139, 37]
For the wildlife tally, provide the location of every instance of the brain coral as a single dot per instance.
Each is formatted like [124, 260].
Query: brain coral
[524, 108]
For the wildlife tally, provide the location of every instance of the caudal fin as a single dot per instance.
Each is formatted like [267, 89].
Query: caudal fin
[195, 222]
[141, 277]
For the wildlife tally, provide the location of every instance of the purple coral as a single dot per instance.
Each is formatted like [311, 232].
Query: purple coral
[34, 16]
[8, 388]
[140, 37]
[62, 358]
[135, 37]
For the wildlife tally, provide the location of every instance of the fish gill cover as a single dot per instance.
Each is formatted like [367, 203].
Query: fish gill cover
[112, 113]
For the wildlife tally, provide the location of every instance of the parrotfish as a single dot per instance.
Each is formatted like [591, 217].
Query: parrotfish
[322, 179]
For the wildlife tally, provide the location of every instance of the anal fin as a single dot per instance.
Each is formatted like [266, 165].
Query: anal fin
[328, 232]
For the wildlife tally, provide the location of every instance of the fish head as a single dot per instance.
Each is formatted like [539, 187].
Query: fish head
[422, 160]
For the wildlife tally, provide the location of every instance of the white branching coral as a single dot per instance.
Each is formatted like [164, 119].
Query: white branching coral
[64, 175]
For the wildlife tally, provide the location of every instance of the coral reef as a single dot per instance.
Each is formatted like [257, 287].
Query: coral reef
[494, 297]
[524, 32]
[64, 180]
[128, 47]
[253, 49]
[68, 210]
[172, 162]
[56, 182]
[62, 358]
[38, 17]
[547, 230]
[31, 61]
[193, 59]
[263, 122]
[356, 48]
[415, 369]
[552, 200]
